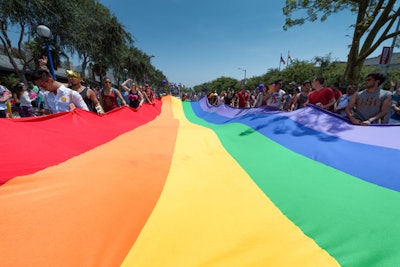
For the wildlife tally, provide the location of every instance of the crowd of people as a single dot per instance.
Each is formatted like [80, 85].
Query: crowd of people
[361, 106]
[366, 105]
[44, 95]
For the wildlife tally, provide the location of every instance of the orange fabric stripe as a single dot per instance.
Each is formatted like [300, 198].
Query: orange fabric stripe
[41, 142]
[89, 210]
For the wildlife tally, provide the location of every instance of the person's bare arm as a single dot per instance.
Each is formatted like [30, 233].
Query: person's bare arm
[296, 98]
[331, 103]
[92, 96]
[384, 110]
[348, 109]
[141, 98]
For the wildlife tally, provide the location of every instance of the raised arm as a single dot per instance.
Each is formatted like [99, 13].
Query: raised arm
[124, 87]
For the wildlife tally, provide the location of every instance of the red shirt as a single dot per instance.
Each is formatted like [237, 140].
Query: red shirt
[242, 97]
[150, 94]
[109, 101]
[337, 94]
[323, 96]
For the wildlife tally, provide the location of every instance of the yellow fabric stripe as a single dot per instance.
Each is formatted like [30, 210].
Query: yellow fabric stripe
[212, 214]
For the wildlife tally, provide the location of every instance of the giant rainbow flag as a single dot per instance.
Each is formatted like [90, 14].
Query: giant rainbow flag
[186, 184]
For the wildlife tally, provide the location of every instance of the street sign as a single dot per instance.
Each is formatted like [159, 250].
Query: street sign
[385, 56]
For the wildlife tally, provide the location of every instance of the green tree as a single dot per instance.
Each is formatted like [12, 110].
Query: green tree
[272, 75]
[220, 84]
[23, 17]
[374, 24]
[99, 38]
[299, 71]
[84, 27]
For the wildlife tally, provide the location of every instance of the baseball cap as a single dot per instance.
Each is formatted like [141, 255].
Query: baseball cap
[71, 73]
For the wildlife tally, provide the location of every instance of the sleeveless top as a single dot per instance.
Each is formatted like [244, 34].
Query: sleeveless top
[301, 101]
[109, 101]
[134, 99]
[88, 102]
[369, 104]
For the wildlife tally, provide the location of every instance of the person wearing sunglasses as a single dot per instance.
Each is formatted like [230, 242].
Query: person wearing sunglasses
[58, 97]
[110, 96]
[343, 100]
[371, 105]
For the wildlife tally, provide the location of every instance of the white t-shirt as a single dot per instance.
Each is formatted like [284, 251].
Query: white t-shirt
[25, 100]
[275, 100]
[62, 100]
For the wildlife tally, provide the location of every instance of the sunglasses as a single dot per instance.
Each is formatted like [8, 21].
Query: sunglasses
[43, 84]
[107, 82]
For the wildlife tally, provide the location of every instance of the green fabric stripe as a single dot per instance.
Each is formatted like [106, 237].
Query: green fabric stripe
[356, 222]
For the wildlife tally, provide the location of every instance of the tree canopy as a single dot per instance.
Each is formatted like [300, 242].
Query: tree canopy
[374, 23]
[84, 28]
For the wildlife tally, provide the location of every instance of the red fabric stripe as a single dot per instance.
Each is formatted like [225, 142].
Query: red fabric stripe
[29, 145]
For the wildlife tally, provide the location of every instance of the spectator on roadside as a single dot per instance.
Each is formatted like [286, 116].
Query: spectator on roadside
[213, 99]
[148, 94]
[242, 97]
[58, 97]
[396, 101]
[109, 95]
[275, 97]
[125, 88]
[288, 98]
[136, 98]
[301, 99]
[252, 99]
[292, 86]
[321, 96]
[343, 101]
[37, 95]
[33, 92]
[371, 104]
[16, 94]
[228, 97]
[87, 94]
[24, 100]
[394, 86]
[336, 91]
[395, 112]
[5, 95]
[261, 99]
[221, 97]
[42, 63]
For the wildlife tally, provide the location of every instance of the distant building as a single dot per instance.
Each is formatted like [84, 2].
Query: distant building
[394, 62]
[6, 68]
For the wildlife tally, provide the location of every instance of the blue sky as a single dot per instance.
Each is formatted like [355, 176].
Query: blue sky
[198, 41]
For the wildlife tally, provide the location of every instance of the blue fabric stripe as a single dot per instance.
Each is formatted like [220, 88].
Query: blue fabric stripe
[370, 163]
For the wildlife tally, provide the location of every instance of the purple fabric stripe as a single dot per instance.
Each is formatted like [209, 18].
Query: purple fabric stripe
[313, 118]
